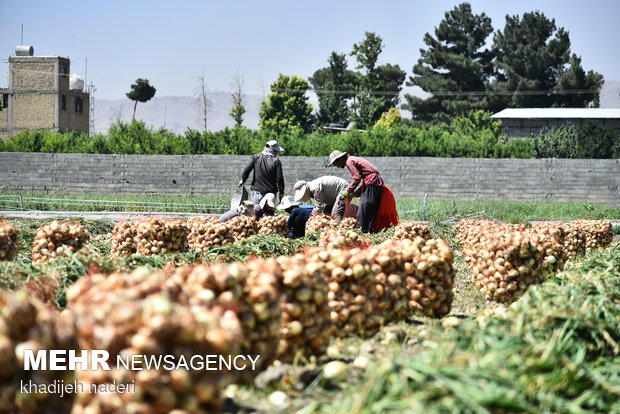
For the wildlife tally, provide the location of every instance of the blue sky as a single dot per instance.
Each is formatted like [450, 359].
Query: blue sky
[171, 42]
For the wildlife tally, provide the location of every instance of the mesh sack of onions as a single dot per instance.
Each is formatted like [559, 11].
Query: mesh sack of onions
[319, 222]
[145, 313]
[242, 227]
[123, 239]
[427, 268]
[8, 241]
[157, 236]
[276, 224]
[412, 229]
[252, 289]
[343, 237]
[349, 223]
[27, 324]
[207, 233]
[58, 238]
[305, 327]
[505, 264]
[550, 241]
[598, 233]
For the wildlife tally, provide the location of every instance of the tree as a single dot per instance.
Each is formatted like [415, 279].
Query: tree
[287, 106]
[454, 64]
[378, 86]
[390, 119]
[532, 57]
[202, 99]
[588, 85]
[333, 86]
[140, 91]
[237, 110]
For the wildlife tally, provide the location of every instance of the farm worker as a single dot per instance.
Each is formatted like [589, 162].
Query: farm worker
[267, 169]
[266, 207]
[246, 208]
[374, 192]
[327, 193]
[298, 216]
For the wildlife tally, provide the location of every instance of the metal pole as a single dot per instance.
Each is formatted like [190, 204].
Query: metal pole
[21, 202]
[425, 197]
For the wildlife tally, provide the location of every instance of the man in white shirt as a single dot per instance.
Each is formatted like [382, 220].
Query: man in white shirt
[327, 193]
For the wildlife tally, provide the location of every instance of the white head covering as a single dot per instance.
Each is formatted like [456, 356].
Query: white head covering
[273, 144]
[268, 199]
[287, 202]
[334, 156]
[302, 191]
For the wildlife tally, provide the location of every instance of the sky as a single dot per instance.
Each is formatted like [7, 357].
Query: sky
[172, 43]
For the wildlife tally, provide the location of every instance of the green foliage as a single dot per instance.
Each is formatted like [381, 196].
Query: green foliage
[454, 61]
[287, 106]
[390, 119]
[586, 141]
[531, 55]
[141, 91]
[335, 81]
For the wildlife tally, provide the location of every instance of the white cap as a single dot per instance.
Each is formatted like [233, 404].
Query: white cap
[287, 202]
[273, 144]
[334, 156]
[302, 191]
[269, 199]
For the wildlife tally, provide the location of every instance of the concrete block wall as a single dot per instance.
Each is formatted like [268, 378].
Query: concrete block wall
[547, 180]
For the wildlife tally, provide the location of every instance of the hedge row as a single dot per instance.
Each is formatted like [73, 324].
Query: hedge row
[474, 136]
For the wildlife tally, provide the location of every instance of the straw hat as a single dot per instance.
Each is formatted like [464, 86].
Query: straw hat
[269, 199]
[287, 202]
[302, 191]
[334, 156]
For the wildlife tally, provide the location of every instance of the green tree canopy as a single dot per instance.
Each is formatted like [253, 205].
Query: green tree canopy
[333, 86]
[140, 91]
[378, 86]
[456, 62]
[287, 106]
[532, 57]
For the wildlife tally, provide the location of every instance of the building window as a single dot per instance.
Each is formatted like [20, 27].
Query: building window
[63, 104]
[79, 105]
[63, 68]
[5, 100]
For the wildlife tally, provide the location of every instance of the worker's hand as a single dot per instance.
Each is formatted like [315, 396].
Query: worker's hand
[240, 183]
[345, 194]
[281, 196]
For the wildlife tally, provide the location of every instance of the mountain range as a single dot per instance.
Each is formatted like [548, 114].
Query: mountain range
[178, 113]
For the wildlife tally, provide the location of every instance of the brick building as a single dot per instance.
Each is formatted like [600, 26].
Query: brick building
[40, 96]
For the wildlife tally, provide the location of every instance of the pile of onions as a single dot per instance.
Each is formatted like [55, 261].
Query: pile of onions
[27, 324]
[427, 266]
[349, 222]
[123, 239]
[157, 236]
[574, 240]
[305, 327]
[242, 227]
[8, 241]
[145, 313]
[505, 264]
[550, 241]
[207, 232]
[343, 237]
[276, 224]
[319, 222]
[412, 229]
[58, 238]
[598, 233]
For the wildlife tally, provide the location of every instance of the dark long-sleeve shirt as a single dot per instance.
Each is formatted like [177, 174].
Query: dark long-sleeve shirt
[362, 169]
[267, 177]
[297, 221]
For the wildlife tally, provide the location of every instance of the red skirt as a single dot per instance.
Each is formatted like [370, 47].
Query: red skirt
[387, 215]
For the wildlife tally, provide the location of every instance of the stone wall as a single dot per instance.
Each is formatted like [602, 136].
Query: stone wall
[596, 181]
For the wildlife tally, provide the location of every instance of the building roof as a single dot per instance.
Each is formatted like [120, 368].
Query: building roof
[585, 113]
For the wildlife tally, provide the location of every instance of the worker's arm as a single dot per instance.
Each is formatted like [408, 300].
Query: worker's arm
[280, 179]
[355, 174]
[247, 170]
[319, 200]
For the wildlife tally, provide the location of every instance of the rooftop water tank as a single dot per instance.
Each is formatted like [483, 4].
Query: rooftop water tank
[76, 82]
[23, 50]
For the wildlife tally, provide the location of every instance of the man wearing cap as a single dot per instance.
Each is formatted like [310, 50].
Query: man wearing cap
[267, 169]
[327, 193]
[362, 171]
[298, 216]
[266, 206]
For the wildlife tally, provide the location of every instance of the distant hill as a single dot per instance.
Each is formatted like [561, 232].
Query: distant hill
[178, 113]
